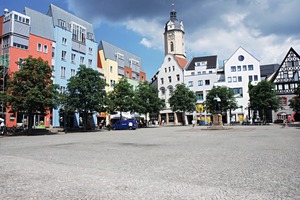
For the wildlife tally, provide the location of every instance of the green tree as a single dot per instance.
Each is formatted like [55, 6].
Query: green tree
[85, 93]
[147, 100]
[31, 89]
[183, 100]
[121, 98]
[294, 103]
[228, 101]
[263, 98]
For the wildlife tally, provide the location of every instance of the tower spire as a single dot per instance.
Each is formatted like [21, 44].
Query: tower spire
[173, 12]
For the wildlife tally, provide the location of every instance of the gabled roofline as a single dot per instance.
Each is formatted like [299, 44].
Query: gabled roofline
[277, 72]
[237, 50]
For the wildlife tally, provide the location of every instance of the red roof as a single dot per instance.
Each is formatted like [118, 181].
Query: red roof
[181, 61]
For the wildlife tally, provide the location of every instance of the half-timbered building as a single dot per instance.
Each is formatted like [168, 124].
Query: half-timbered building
[286, 80]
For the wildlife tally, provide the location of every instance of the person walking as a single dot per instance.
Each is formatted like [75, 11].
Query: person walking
[193, 123]
[284, 123]
[2, 126]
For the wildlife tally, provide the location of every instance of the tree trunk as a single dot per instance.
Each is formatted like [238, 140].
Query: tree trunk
[84, 121]
[30, 122]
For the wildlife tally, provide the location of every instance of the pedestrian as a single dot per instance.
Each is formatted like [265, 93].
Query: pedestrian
[2, 127]
[193, 123]
[284, 123]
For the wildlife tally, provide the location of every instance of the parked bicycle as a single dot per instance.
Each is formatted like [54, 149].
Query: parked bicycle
[15, 131]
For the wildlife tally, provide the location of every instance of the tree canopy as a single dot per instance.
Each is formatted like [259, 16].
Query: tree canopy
[294, 103]
[263, 98]
[85, 93]
[183, 99]
[228, 101]
[121, 98]
[147, 100]
[31, 89]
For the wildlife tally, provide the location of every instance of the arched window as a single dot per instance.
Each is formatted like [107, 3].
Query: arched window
[172, 46]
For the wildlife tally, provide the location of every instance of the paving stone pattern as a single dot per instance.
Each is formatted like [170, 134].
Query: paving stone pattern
[245, 162]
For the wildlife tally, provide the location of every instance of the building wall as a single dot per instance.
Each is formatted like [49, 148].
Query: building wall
[200, 80]
[110, 71]
[170, 70]
[237, 75]
[67, 67]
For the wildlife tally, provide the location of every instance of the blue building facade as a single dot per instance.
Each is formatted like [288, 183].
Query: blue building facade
[74, 46]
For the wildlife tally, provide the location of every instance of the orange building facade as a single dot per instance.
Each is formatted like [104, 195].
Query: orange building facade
[17, 43]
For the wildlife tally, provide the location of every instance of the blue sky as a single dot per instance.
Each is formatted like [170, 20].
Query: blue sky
[265, 28]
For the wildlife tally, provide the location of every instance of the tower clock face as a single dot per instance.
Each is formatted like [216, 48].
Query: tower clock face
[171, 36]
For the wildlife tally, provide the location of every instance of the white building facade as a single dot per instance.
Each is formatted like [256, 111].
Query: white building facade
[240, 69]
[200, 74]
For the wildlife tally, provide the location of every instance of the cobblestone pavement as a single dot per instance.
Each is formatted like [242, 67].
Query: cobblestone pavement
[245, 162]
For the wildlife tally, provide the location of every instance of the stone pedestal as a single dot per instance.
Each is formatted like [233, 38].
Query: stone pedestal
[217, 123]
[217, 120]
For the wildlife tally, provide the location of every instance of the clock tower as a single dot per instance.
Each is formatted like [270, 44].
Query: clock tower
[174, 36]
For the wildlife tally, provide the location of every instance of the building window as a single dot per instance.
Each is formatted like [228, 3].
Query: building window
[250, 78]
[207, 82]
[173, 68]
[78, 33]
[171, 91]
[190, 83]
[112, 83]
[172, 46]
[61, 23]
[73, 55]
[238, 91]
[20, 62]
[255, 78]
[170, 79]
[53, 52]
[90, 50]
[39, 47]
[233, 68]
[178, 77]
[166, 70]
[64, 41]
[169, 69]
[62, 89]
[111, 68]
[63, 55]
[192, 73]
[239, 68]
[283, 101]
[241, 58]
[244, 67]
[162, 80]
[239, 79]
[72, 72]
[63, 72]
[45, 49]
[199, 96]
[163, 91]
[250, 67]
[229, 79]
[81, 60]
[234, 79]
[200, 82]
[90, 62]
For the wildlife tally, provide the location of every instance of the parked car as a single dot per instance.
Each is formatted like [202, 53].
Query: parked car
[125, 124]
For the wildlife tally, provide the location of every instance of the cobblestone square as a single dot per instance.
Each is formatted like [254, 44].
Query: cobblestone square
[245, 162]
